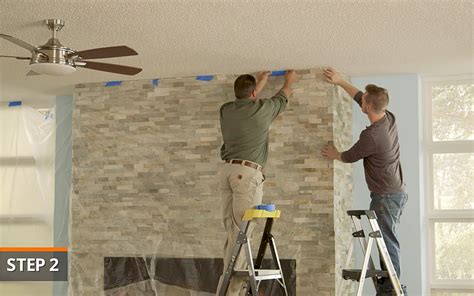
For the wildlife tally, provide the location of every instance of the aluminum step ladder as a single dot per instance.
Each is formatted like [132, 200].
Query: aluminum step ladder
[254, 272]
[368, 270]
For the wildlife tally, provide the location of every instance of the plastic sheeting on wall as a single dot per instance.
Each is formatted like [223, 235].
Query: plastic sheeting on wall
[32, 167]
[27, 185]
[27, 151]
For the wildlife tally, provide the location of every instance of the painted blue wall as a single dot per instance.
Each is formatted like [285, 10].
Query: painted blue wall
[63, 179]
[405, 101]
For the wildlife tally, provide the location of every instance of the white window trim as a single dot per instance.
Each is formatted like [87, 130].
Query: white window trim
[432, 215]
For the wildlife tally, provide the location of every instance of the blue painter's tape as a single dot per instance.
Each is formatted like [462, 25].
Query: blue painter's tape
[204, 77]
[266, 207]
[113, 83]
[155, 82]
[278, 73]
[14, 103]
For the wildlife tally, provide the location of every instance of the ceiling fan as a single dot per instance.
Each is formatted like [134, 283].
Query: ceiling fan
[53, 58]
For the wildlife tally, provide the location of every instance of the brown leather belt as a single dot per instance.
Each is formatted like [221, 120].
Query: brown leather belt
[250, 164]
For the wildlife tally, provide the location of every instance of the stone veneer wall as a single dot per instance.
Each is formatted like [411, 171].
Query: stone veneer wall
[145, 163]
[343, 185]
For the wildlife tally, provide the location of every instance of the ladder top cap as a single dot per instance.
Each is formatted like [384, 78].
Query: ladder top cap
[369, 213]
[254, 214]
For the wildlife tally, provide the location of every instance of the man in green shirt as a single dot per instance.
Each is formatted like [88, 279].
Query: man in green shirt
[245, 124]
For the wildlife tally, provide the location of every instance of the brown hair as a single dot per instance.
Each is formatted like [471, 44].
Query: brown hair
[244, 85]
[377, 97]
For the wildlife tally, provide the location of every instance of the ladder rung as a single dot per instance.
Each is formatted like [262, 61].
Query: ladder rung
[261, 274]
[267, 274]
[267, 271]
[354, 274]
[267, 277]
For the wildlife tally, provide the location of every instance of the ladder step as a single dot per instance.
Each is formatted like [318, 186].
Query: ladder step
[261, 274]
[354, 274]
[267, 271]
[267, 274]
[267, 277]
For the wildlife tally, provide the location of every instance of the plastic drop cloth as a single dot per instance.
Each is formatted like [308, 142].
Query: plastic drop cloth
[35, 195]
[179, 276]
[27, 186]
[27, 153]
[136, 195]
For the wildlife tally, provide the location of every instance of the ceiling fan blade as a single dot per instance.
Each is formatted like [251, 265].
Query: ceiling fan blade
[32, 73]
[105, 52]
[120, 69]
[19, 42]
[18, 58]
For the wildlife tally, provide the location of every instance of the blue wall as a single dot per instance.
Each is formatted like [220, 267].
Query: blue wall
[405, 102]
[63, 179]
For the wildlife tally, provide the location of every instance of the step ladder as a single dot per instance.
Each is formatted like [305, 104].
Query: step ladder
[253, 271]
[368, 270]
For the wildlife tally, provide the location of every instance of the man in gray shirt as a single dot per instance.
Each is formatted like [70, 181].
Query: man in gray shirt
[378, 147]
[245, 125]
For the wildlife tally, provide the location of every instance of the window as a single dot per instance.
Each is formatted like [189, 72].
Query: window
[449, 150]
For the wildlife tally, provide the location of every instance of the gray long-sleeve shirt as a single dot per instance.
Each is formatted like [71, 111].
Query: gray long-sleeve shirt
[378, 146]
[245, 125]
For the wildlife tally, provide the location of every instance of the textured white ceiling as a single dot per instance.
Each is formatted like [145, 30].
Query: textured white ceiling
[184, 38]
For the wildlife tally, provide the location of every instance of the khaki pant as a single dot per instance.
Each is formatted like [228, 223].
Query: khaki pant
[241, 188]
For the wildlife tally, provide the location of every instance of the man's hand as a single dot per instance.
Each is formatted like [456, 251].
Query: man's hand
[263, 75]
[330, 152]
[332, 76]
[290, 76]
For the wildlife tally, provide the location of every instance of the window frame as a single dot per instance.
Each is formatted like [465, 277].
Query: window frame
[438, 215]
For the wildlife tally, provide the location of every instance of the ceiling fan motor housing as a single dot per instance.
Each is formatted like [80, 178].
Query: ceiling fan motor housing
[50, 58]
[53, 52]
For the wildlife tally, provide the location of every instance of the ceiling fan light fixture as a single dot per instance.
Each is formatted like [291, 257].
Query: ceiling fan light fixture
[53, 58]
[52, 69]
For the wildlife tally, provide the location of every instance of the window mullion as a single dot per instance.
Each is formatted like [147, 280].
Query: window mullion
[439, 147]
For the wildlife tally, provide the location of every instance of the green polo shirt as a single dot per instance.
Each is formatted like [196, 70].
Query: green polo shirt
[245, 125]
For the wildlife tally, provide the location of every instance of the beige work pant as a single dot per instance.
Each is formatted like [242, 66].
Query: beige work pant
[241, 188]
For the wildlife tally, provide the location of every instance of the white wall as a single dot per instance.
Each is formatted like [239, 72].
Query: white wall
[405, 102]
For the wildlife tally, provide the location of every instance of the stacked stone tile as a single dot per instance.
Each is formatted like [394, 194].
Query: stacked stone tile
[145, 163]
